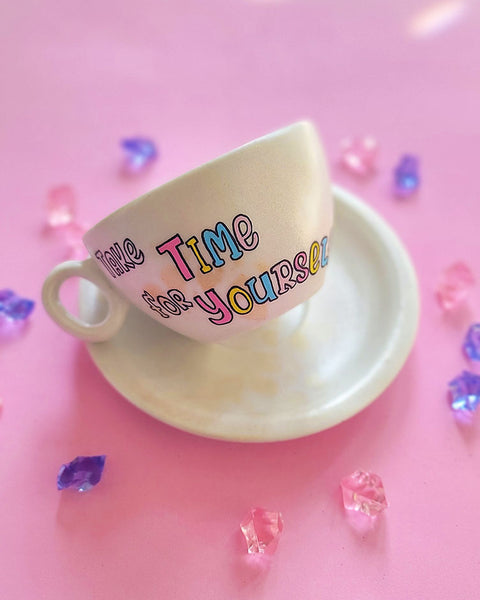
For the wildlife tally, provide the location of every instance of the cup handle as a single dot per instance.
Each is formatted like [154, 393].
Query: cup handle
[87, 269]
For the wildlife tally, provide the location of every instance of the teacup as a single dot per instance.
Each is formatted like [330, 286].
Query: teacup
[217, 251]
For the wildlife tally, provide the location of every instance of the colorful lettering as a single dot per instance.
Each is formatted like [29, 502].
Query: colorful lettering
[192, 244]
[266, 281]
[300, 263]
[171, 246]
[232, 300]
[242, 236]
[324, 262]
[283, 271]
[220, 237]
[216, 307]
[314, 257]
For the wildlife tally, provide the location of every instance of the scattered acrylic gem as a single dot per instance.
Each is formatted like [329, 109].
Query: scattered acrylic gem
[19, 309]
[61, 206]
[261, 529]
[454, 285]
[359, 155]
[74, 233]
[471, 345]
[61, 210]
[140, 152]
[406, 176]
[82, 473]
[465, 392]
[5, 296]
[13, 307]
[363, 492]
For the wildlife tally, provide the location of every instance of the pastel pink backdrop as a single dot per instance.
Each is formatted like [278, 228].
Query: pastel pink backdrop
[202, 78]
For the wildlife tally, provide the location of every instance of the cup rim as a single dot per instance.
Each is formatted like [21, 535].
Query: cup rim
[286, 130]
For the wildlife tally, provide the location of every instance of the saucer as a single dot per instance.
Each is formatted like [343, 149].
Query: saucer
[308, 370]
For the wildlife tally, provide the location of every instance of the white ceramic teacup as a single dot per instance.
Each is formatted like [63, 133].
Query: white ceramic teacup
[217, 251]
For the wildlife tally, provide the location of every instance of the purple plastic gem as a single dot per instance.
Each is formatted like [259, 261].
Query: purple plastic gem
[14, 307]
[5, 296]
[471, 345]
[140, 153]
[18, 309]
[82, 473]
[465, 392]
[406, 176]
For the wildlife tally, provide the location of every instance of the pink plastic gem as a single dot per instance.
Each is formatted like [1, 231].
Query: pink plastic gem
[74, 232]
[359, 155]
[454, 285]
[363, 491]
[61, 206]
[262, 529]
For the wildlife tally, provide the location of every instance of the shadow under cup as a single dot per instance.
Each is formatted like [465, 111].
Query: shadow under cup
[272, 334]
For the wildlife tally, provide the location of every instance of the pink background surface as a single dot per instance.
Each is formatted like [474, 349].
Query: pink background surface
[202, 78]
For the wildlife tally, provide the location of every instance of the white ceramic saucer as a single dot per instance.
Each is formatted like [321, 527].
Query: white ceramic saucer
[311, 369]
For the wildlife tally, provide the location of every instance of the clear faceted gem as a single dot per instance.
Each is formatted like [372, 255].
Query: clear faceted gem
[13, 307]
[471, 345]
[261, 529]
[363, 491]
[359, 155]
[465, 392]
[61, 206]
[454, 285]
[140, 152]
[406, 176]
[82, 473]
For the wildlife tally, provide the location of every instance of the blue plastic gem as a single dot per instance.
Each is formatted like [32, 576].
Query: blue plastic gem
[471, 345]
[13, 307]
[82, 473]
[140, 152]
[465, 391]
[406, 176]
